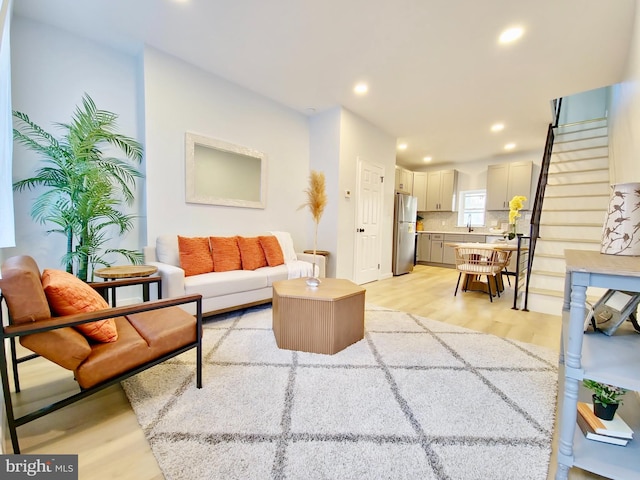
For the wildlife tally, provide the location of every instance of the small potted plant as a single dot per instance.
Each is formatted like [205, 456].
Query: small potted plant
[606, 398]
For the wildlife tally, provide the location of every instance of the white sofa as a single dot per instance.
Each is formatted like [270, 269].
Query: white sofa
[225, 291]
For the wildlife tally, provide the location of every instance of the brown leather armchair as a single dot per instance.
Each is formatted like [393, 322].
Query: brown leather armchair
[148, 334]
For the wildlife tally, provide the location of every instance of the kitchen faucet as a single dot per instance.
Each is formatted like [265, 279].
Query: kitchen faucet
[469, 224]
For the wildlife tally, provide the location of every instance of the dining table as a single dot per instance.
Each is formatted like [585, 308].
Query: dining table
[473, 282]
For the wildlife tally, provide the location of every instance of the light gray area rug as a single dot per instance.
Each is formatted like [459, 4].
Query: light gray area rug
[416, 399]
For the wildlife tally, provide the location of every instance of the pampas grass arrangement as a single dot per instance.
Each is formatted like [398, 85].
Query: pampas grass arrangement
[316, 201]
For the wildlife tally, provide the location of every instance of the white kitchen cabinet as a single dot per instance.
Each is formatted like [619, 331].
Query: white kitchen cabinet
[607, 359]
[424, 247]
[441, 188]
[404, 180]
[506, 180]
[420, 189]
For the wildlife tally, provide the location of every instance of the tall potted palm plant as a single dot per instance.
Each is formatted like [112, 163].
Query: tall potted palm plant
[83, 186]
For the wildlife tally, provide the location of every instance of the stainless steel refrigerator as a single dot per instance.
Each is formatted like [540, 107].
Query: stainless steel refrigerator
[404, 233]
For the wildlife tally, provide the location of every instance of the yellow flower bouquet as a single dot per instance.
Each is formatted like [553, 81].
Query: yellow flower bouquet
[515, 205]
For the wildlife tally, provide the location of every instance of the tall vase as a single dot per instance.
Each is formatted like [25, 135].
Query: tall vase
[313, 281]
[621, 231]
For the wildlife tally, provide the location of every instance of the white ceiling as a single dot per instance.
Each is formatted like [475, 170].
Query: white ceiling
[437, 77]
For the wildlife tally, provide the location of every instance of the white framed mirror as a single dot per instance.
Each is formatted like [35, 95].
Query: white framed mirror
[221, 173]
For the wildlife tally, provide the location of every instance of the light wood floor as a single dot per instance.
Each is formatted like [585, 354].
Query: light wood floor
[103, 430]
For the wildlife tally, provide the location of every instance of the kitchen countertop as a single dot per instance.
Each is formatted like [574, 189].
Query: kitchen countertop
[450, 232]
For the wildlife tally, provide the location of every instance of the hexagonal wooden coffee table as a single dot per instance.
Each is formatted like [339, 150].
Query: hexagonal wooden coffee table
[325, 319]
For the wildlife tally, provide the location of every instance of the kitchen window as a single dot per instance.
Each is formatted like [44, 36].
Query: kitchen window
[471, 212]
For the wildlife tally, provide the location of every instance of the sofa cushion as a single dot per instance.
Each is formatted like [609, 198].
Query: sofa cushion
[195, 255]
[165, 329]
[281, 272]
[225, 253]
[167, 250]
[251, 253]
[109, 359]
[272, 250]
[68, 295]
[224, 283]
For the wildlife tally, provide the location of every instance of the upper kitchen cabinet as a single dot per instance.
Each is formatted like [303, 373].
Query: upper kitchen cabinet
[404, 180]
[506, 180]
[441, 188]
[420, 189]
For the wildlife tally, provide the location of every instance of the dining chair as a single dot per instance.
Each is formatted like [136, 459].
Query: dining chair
[478, 262]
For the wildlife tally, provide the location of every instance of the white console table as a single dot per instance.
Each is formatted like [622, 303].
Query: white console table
[614, 360]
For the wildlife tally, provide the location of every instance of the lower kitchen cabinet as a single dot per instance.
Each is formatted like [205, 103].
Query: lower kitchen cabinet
[437, 248]
[433, 248]
[449, 254]
[423, 253]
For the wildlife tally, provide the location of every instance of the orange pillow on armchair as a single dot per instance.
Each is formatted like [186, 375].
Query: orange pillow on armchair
[68, 295]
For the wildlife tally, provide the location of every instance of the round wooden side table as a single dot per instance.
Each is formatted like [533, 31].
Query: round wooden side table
[137, 273]
[125, 271]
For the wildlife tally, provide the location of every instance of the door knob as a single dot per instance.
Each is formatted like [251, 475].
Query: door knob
[360, 230]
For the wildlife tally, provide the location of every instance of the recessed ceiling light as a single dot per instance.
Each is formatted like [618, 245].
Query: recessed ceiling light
[510, 146]
[497, 127]
[402, 146]
[511, 35]
[361, 88]
[426, 159]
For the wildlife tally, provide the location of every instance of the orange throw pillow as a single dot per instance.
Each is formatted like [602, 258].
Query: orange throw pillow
[251, 253]
[195, 255]
[68, 295]
[226, 254]
[272, 250]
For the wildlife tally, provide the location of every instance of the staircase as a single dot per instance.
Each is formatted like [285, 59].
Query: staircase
[573, 211]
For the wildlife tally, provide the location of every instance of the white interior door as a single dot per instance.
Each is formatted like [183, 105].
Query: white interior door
[368, 214]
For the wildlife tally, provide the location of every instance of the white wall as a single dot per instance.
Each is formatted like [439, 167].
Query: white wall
[361, 139]
[181, 98]
[324, 129]
[624, 133]
[582, 106]
[338, 139]
[158, 98]
[51, 69]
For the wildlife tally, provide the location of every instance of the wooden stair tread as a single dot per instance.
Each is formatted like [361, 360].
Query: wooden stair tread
[548, 273]
[577, 195]
[568, 240]
[565, 224]
[557, 161]
[582, 170]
